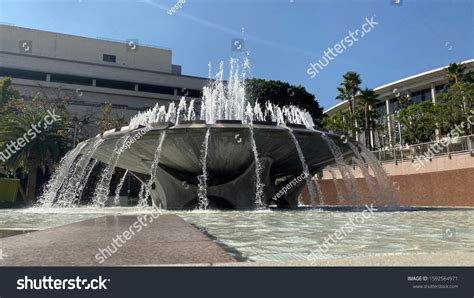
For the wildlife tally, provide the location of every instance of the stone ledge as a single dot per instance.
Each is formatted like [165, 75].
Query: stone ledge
[167, 240]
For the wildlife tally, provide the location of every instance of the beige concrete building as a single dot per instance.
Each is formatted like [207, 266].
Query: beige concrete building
[89, 72]
[421, 87]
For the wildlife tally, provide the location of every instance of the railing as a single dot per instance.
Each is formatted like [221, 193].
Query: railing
[443, 147]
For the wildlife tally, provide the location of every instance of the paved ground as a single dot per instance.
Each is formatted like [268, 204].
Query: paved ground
[166, 240]
[414, 259]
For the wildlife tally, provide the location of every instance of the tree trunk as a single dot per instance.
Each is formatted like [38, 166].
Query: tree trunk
[31, 183]
[366, 128]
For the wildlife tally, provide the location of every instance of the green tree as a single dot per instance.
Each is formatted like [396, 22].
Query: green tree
[342, 122]
[368, 98]
[31, 139]
[7, 93]
[456, 73]
[282, 93]
[108, 120]
[419, 122]
[458, 102]
[347, 91]
[403, 102]
[349, 88]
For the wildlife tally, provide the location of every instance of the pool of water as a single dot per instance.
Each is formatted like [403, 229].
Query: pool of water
[293, 235]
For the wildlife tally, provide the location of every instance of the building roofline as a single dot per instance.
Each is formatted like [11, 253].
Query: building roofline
[99, 38]
[420, 75]
[335, 106]
[394, 83]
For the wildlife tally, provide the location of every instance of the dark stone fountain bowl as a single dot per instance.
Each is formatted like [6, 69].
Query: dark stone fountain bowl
[230, 164]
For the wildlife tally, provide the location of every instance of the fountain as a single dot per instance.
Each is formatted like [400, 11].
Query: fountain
[119, 188]
[202, 187]
[234, 154]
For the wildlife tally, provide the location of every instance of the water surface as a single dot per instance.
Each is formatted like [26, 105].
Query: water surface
[292, 235]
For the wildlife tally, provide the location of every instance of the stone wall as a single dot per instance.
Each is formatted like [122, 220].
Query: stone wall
[442, 188]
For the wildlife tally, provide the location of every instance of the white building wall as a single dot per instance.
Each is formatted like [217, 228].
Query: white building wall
[76, 48]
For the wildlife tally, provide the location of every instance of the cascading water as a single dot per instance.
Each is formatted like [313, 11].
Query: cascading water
[347, 176]
[321, 197]
[101, 193]
[119, 188]
[202, 187]
[340, 197]
[181, 113]
[69, 196]
[51, 189]
[389, 195]
[365, 171]
[258, 166]
[89, 169]
[142, 200]
[191, 116]
[258, 170]
[154, 167]
[306, 172]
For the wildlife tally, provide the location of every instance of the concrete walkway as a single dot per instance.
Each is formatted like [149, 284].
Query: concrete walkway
[114, 241]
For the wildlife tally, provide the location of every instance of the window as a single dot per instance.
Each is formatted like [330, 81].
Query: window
[22, 74]
[115, 84]
[104, 83]
[419, 96]
[109, 58]
[194, 93]
[68, 79]
[156, 89]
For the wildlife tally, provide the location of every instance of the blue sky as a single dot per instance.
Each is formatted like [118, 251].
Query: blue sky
[282, 36]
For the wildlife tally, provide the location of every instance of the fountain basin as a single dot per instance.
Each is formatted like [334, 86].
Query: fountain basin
[230, 162]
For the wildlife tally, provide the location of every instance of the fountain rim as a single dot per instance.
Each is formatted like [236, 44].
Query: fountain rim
[153, 130]
[187, 124]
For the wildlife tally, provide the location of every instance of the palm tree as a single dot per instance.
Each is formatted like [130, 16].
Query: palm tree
[368, 98]
[348, 90]
[351, 82]
[31, 149]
